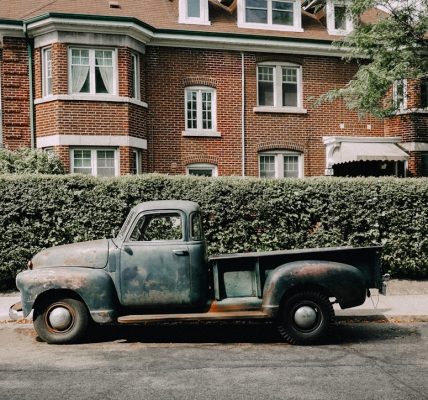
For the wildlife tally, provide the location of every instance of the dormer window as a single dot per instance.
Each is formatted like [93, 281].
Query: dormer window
[339, 22]
[193, 12]
[281, 15]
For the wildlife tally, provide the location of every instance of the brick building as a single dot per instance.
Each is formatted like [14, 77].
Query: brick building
[197, 87]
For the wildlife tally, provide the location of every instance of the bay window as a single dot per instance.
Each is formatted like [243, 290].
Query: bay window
[47, 72]
[92, 71]
[96, 162]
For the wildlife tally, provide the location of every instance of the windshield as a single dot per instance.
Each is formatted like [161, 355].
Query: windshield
[125, 225]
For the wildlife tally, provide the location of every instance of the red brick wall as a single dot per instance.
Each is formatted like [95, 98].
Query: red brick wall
[170, 70]
[15, 93]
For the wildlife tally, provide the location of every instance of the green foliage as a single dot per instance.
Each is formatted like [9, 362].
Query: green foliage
[28, 161]
[393, 48]
[240, 215]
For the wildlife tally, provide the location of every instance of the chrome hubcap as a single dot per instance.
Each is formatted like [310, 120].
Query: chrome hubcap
[60, 318]
[305, 317]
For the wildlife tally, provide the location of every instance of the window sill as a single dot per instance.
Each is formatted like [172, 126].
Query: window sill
[201, 134]
[280, 110]
[91, 97]
[411, 111]
[283, 28]
[194, 21]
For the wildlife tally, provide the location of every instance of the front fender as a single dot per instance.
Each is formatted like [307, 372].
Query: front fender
[94, 286]
[342, 281]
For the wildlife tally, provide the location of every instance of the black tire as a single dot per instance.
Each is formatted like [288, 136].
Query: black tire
[320, 317]
[70, 331]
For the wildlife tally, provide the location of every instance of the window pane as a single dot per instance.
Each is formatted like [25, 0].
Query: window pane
[191, 105]
[289, 87]
[425, 164]
[104, 71]
[265, 86]
[134, 77]
[105, 163]
[82, 162]
[291, 166]
[399, 94]
[207, 110]
[136, 162]
[80, 82]
[193, 8]
[282, 13]
[256, 11]
[267, 166]
[196, 232]
[340, 17]
[200, 171]
[48, 72]
[158, 227]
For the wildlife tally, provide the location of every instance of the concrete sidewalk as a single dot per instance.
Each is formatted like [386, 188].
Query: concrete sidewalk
[406, 301]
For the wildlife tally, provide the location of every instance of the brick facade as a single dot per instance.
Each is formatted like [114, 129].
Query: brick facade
[157, 117]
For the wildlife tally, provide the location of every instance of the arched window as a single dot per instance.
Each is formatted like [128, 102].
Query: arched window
[202, 169]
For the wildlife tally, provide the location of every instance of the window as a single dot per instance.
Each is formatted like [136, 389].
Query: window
[200, 109]
[424, 93]
[270, 14]
[152, 227]
[399, 94]
[193, 12]
[338, 20]
[279, 86]
[281, 164]
[136, 162]
[196, 230]
[92, 71]
[97, 162]
[424, 164]
[201, 170]
[135, 76]
[47, 72]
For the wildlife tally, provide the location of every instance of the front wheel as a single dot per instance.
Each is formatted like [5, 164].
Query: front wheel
[305, 317]
[61, 321]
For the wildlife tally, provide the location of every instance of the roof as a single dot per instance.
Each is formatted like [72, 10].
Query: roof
[163, 15]
[183, 205]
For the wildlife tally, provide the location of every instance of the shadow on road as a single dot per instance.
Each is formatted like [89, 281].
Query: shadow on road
[244, 332]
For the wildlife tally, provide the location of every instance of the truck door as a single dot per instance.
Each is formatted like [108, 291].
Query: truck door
[155, 262]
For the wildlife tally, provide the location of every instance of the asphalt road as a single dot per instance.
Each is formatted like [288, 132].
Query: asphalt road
[245, 361]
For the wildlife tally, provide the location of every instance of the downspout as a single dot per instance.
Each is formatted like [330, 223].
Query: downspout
[31, 86]
[243, 112]
[1, 117]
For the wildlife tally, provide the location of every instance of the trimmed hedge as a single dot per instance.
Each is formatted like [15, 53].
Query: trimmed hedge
[239, 214]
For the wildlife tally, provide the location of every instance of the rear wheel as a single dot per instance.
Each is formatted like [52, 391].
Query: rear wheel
[305, 317]
[61, 321]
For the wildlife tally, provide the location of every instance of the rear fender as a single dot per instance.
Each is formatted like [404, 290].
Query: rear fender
[94, 286]
[342, 281]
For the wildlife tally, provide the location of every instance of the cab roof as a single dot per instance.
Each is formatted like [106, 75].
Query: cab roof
[182, 205]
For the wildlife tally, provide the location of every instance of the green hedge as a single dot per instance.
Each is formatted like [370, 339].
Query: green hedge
[239, 214]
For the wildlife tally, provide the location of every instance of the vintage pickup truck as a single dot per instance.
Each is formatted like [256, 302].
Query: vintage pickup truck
[157, 269]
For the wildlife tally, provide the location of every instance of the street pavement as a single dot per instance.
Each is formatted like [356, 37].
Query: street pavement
[407, 301]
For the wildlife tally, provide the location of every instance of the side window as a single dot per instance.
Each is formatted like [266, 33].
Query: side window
[196, 232]
[158, 227]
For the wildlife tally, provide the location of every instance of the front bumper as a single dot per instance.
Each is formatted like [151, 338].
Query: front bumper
[15, 312]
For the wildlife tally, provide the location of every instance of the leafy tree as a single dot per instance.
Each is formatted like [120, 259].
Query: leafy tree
[392, 48]
[28, 161]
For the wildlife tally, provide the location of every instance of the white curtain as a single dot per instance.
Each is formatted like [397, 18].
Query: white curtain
[106, 74]
[79, 74]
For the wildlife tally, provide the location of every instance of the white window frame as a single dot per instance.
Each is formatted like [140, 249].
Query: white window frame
[279, 162]
[211, 167]
[331, 7]
[135, 59]
[94, 158]
[46, 68]
[403, 104]
[183, 17]
[137, 159]
[92, 65]
[297, 13]
[277, 88]
[199, 131]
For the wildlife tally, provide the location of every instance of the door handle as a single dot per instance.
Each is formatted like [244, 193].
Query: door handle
[181, 252]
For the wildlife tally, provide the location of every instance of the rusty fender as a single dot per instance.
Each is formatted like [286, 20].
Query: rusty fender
[94, 286]
[342, 281]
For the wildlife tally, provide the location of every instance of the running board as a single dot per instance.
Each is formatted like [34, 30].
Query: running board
[208, 316]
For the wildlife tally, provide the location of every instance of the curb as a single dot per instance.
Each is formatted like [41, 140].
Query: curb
[382, 318]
